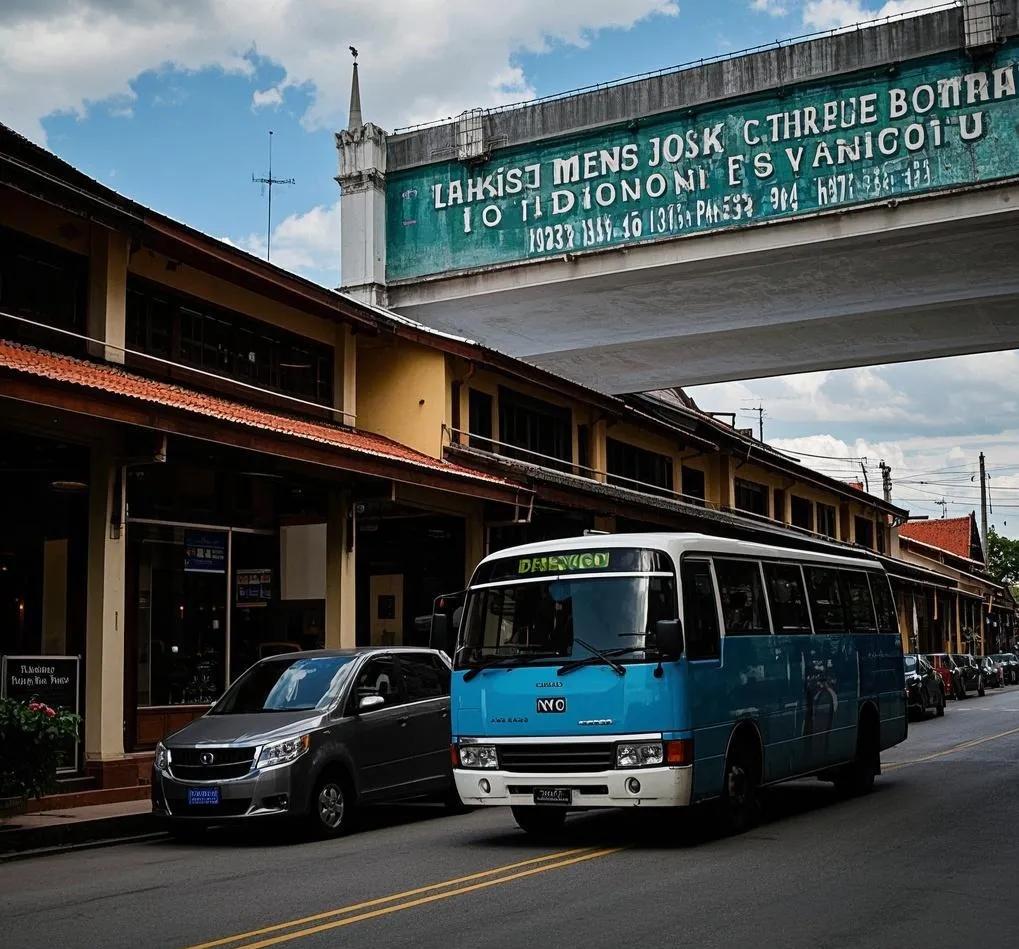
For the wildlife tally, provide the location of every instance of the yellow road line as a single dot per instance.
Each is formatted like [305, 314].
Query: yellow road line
[374, 914]
[388, 899]
[952, 750]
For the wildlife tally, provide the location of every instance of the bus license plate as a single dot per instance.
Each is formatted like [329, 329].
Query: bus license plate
[561, 796]
[203, 797]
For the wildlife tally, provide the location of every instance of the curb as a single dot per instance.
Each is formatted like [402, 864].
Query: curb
[18, 841]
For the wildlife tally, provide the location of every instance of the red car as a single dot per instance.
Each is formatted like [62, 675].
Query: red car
[950, 673]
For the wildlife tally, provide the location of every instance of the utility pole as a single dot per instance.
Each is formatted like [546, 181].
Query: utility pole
[983, 506]
[759, 409]
[943, 504]
[886, 479]
[268, 183]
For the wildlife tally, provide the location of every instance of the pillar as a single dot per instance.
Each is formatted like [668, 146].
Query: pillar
[362, 181]
[721, 487]
[345, 375]
[107, 292]
[341, 595]
[474, 543]
[599, 450]
[104, 620]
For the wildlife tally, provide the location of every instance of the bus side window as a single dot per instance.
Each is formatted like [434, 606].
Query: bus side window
[788, 599]
[861, 606]
[887, 620]
[826, 600]
[700, 610]
[743, 609]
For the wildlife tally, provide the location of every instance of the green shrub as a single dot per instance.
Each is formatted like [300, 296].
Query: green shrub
[31, 737]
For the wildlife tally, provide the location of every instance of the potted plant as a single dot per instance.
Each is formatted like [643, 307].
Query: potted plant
[31, 738]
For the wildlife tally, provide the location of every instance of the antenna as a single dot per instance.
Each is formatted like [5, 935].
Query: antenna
[758, 410]
[269, 182]
[943, 504]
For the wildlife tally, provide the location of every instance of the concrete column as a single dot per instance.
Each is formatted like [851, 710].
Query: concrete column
[341, 592]
[345, 375]
[104, 623]
[107, 292]
[362, 181]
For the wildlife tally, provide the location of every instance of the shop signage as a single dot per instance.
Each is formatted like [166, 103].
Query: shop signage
[53, 680]
[205, 552]
[254, 587]
[931, 124]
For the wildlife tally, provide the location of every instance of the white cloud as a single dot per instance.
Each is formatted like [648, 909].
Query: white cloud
[307, 243]
[836, 14]
[266, 98]
[421, 59]
[771, 7]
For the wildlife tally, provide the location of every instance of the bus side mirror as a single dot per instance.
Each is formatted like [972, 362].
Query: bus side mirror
[669, 637]
[438, 637]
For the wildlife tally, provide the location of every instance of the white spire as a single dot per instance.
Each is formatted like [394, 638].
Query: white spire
[354, 120]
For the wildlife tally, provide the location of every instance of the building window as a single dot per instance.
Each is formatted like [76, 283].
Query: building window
[628, 464]
[167, 324]
[864, 532]
[43, 283]
[752, 497]
[693, 485]
[825, 519]
[542, 432]
[802, 513]
[479, 421]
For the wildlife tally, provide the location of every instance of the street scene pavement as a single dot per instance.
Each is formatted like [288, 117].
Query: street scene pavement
[929, 858]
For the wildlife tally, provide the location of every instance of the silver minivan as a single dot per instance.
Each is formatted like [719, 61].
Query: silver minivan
[312, 735]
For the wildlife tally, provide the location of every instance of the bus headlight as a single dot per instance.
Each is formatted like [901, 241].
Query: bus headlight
[644, 754]
[478, 756]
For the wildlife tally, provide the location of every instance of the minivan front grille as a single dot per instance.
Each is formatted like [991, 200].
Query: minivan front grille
[552, 758]
[188, 764]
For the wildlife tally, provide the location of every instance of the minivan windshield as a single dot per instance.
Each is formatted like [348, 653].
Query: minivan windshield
[545, 617]
[286, 684]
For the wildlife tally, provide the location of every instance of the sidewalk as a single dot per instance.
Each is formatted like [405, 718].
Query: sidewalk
[69, 826]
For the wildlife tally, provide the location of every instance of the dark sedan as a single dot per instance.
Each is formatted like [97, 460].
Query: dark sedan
[925, 689]
[992, 671]
[973, 679]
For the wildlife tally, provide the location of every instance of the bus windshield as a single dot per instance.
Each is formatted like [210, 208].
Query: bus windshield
[543, 617]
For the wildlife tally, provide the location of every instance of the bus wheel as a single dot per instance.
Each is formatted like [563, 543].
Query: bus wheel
[540, 821]
[857, 777]
[738, 806]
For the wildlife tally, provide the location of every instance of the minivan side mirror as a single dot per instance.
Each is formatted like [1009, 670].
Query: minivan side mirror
[669, 637]
[367, 702]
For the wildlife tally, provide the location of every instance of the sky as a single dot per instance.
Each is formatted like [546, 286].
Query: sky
[170, 102]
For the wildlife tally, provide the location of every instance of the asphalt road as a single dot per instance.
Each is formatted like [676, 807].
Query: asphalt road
[930, 859]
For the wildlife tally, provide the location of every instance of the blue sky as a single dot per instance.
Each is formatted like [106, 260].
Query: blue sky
[170, 102]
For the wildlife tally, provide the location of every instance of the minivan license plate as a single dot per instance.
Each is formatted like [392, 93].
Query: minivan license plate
[202, 797]
[553, 796]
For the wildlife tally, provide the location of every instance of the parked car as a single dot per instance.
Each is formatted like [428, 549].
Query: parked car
[992, 671]
[950, 673]
[312, 735]
[972, 677]
[925, 689]
[1010, 666]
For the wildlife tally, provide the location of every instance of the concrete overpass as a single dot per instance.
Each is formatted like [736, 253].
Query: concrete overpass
[882, 225]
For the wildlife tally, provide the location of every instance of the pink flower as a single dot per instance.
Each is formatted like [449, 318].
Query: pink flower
[49, 712]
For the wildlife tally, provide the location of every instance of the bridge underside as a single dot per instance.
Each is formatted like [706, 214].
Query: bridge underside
[930, 277]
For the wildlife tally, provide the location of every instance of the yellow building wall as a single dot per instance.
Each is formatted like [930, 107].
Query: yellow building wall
[41, 220]
[402, 392]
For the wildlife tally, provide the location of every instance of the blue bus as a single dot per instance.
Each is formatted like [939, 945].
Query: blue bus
[665, 670]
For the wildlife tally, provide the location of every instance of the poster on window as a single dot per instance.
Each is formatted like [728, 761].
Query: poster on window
[205, 552]
[254, 587]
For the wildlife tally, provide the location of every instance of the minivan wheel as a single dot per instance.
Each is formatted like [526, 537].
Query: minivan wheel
[330, 807]
[540, 821]
[940, 711]
[980, 688]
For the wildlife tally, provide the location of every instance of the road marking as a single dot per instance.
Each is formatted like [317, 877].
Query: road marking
[421, 901]
[952, 750]
[389, 899]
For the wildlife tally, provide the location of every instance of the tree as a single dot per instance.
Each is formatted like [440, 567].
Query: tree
[1002, 557]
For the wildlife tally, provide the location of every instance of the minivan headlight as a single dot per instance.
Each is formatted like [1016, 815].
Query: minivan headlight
[162, 758]
[478, 756]
[283, 752]
[644, 754]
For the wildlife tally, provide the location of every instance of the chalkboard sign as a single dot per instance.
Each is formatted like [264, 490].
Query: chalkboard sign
[54, 680]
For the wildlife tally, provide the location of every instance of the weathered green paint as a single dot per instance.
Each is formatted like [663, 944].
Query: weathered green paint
[731, 173]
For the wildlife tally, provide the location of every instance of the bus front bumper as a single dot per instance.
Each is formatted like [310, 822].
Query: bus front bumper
[637, 787]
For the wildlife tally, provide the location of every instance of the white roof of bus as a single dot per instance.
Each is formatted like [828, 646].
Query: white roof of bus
[677, 544]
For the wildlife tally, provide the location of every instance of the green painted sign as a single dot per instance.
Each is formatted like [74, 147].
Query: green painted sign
[563, 563]
[935, 123]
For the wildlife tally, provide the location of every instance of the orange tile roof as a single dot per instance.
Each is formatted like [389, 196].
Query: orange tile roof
[952, 534]
[29, 360]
